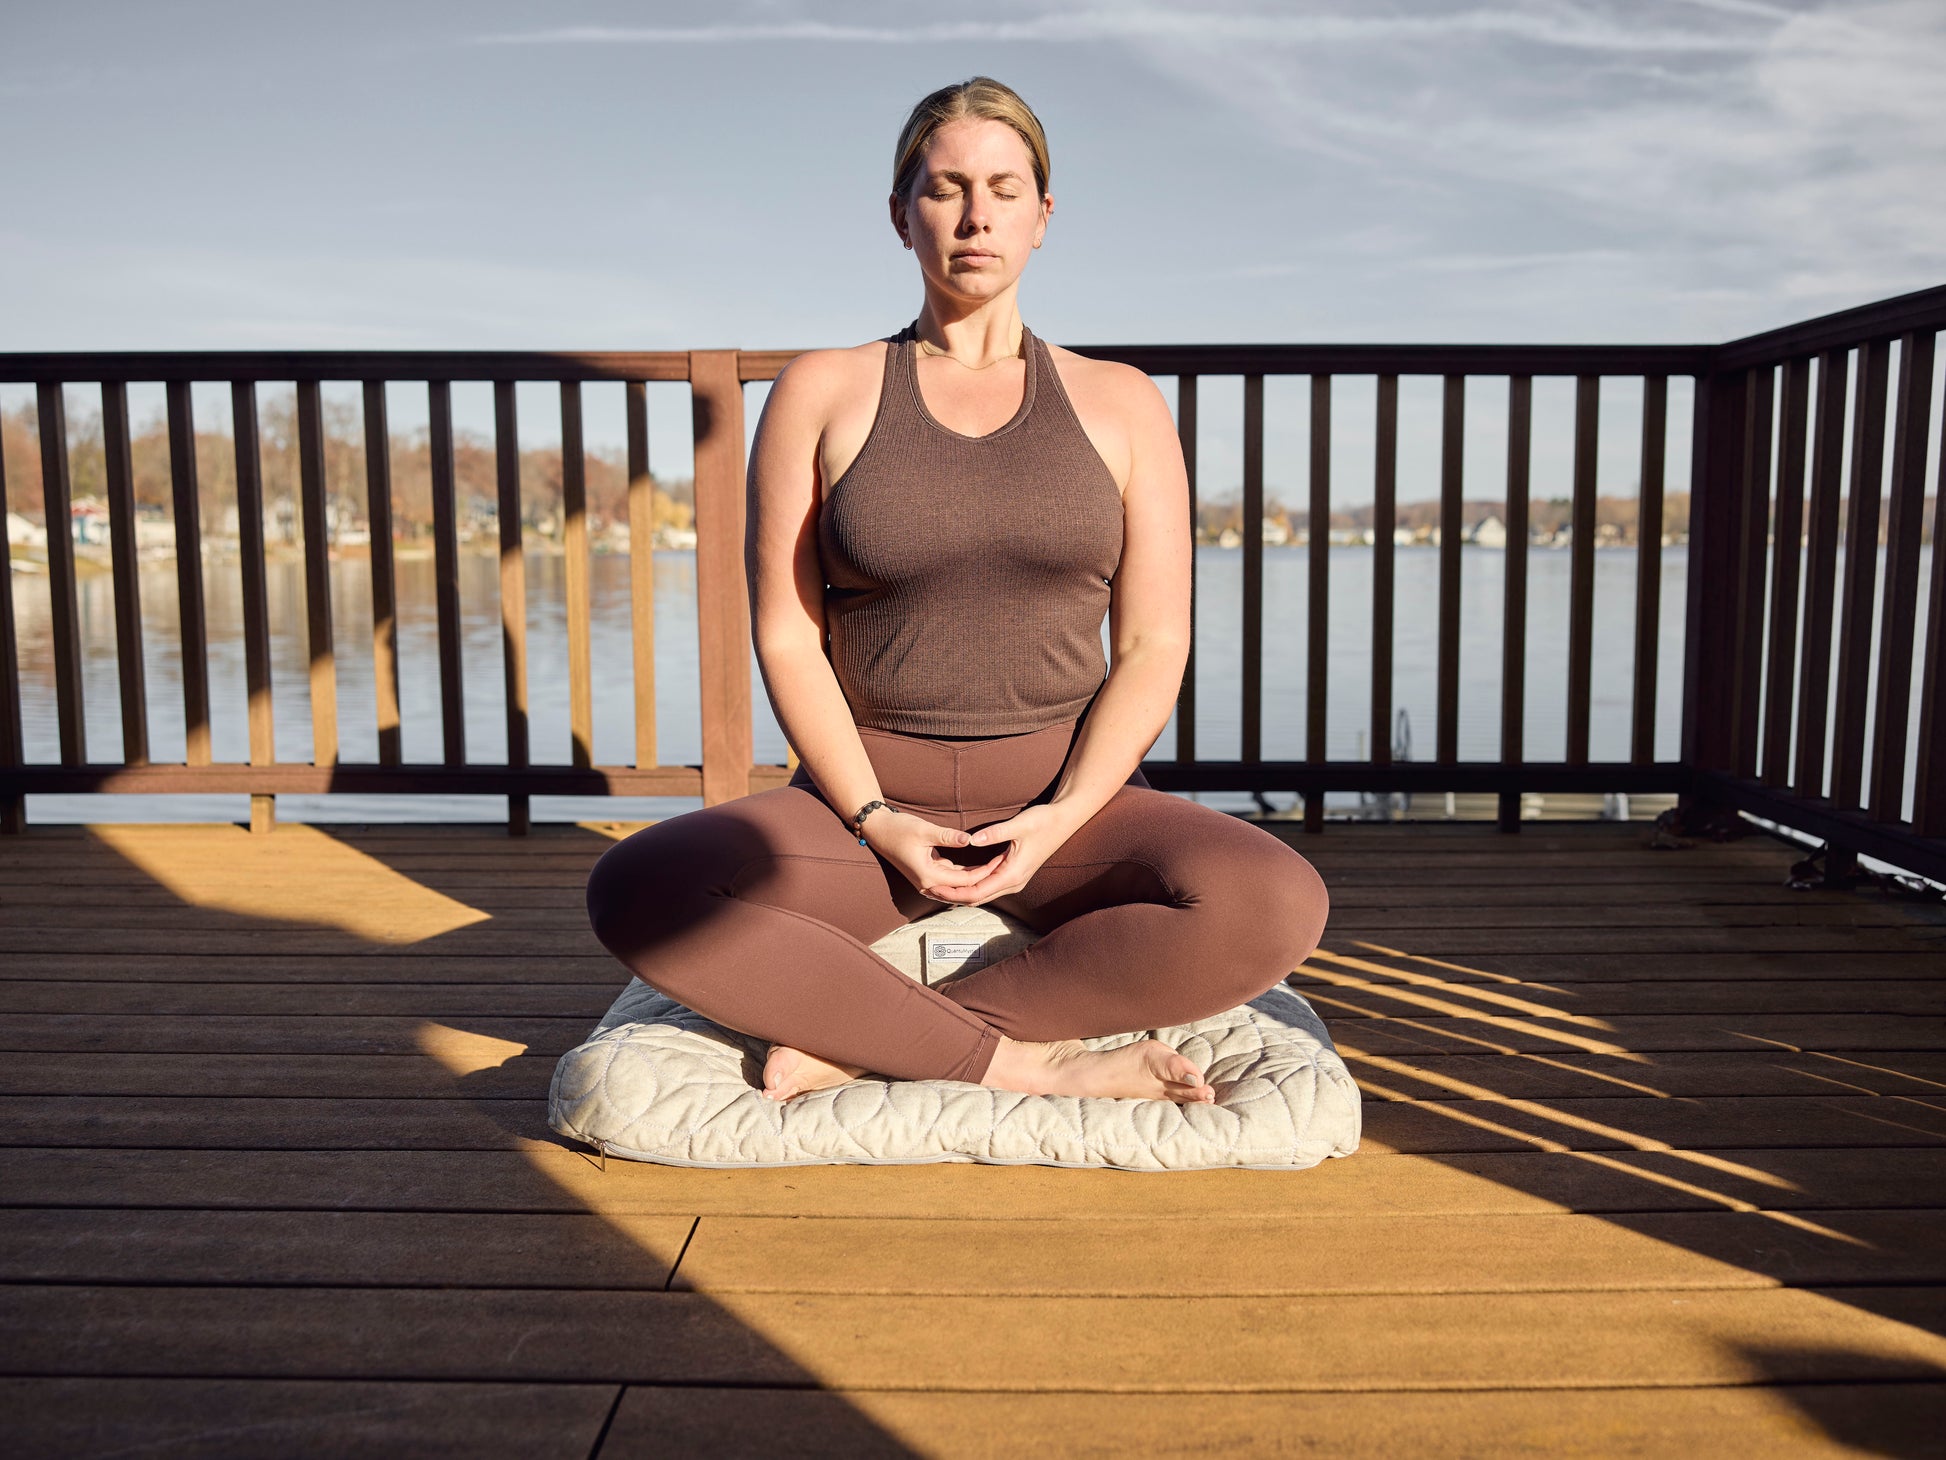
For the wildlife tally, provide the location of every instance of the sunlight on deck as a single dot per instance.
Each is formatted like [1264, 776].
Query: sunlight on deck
[298, 874]
[614, 830]
[460, 1052]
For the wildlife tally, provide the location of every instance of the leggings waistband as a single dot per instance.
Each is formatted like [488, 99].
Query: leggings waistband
[993, 775]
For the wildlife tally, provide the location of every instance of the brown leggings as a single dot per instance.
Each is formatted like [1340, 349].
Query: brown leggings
[757, 912]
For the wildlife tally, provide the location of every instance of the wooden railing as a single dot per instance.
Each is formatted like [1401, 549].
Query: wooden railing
[1737, 722]
[1770, 726]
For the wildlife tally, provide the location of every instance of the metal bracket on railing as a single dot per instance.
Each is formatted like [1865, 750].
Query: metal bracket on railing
[1816, 872]
[1681, 827]
[1836, 869]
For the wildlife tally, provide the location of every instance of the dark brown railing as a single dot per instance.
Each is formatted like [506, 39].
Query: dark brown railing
[1768, 727]
[1752, 681]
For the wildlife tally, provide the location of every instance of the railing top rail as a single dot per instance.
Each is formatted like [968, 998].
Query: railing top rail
[1924, 309]
[1327, 359]
[68, 367]
[552, 365]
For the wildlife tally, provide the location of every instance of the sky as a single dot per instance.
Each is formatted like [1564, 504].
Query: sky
[670, 176]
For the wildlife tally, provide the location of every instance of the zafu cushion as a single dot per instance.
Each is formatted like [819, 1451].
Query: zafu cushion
[656, 1081]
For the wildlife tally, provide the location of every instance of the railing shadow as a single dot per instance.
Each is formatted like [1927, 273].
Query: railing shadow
[465, 1076]
[1458, 1059]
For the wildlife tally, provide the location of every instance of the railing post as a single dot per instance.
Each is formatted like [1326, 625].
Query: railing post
[1929, 794]
[1251, 711]
[1317, 656]
[1385, 516]
[722, 593]
[187, 495]
[256, 598]
[118, 467]
[1820, 573]
[1513, 614]
[315, 518]
[52, 419]
[1581, 566]
[1713, 590]
[445, 535]
[1648, 566]
[385, 597]
[641, 570]
[1186, 693]
[13, 750]
[1753, 533]
[513, 592]
[1452, 467]
[1900, 605]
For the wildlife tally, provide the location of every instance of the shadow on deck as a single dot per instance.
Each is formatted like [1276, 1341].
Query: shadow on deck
[1655, 1160]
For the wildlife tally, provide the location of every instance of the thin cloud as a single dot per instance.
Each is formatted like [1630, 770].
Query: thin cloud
[1553, 25]
[1805, 153]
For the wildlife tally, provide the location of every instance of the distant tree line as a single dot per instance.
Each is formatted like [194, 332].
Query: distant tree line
[474, 471]
[1545, 515]
[475, 476]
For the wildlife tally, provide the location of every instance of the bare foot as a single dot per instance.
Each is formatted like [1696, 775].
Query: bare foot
[789, 1072]
[1145, 1070]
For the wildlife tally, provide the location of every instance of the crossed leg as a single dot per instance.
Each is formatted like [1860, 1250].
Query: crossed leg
[758, 913]
[1157, 911]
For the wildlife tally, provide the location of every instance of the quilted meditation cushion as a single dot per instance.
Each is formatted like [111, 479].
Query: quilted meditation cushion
[656, 1081]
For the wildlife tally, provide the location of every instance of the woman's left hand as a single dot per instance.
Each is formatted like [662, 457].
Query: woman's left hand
[1032, 834]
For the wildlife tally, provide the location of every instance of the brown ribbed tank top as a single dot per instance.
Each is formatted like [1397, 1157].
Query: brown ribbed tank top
[966, 577]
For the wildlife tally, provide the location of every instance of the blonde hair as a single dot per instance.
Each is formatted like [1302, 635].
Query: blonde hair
[981, 97]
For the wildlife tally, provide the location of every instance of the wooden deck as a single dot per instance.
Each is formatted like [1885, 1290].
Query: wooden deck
[1655, 1160]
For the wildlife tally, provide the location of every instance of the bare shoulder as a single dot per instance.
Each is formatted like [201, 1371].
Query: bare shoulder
[829, 398]
[1107, 382]
[830, 375]
[1121, 408]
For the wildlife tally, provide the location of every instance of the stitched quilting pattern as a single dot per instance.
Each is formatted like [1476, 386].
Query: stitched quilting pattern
[656, 1081]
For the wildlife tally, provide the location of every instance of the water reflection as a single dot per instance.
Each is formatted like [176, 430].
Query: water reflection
[1219, 587]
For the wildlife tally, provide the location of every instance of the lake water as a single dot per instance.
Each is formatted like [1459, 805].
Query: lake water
[1218, 670]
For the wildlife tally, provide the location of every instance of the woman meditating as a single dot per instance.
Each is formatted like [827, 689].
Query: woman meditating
[938, 522]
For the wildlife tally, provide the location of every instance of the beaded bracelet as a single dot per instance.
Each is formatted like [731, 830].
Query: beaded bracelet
[858, 821]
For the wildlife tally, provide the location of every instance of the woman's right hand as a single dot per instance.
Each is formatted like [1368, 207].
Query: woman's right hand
[916, 847]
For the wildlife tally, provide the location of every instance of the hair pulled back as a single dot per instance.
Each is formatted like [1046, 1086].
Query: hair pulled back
[978, 97]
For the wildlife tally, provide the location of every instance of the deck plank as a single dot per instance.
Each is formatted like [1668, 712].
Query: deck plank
[1425, 934]
[1796, 1420]
[1285, 1256]
[1362, 917]
[357, 1249]
[1436, 1032]
[1132, 1345]
[425, 964]
[1597, 1123]
[1315, 1255]
[1432, 1077]
[1352, 996]
[504, 893]
[560, 1180]
[247, 1419]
